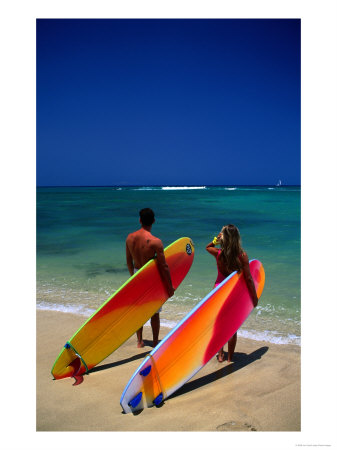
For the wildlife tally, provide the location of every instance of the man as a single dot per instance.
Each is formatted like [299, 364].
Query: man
[141, 246]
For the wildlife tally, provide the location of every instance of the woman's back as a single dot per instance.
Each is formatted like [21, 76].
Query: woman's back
[224, 270]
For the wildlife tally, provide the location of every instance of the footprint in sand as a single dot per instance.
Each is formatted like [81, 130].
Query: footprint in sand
[235, 426]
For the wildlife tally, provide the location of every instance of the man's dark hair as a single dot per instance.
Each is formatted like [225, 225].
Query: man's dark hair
[146, 216]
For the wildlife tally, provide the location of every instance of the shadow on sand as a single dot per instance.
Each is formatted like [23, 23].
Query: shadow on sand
[118, 363]
[241, 360]
[123, 361]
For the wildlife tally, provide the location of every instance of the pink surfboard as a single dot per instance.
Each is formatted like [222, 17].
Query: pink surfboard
[193, 342]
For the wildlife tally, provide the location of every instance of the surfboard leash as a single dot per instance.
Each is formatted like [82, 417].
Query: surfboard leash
[69, 345]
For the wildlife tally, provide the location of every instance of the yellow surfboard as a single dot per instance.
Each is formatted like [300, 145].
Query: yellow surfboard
[123, 313]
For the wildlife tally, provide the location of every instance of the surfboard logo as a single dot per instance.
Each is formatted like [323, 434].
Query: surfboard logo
[188, 249]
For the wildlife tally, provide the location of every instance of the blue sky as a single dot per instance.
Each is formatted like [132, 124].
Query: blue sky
[168, 102]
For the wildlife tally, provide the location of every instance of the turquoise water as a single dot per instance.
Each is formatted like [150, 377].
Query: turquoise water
[81, 236]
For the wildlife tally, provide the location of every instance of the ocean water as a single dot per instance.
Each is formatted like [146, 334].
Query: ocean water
[81, 234]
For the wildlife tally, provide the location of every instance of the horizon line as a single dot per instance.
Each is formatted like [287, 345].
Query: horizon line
[166, 185]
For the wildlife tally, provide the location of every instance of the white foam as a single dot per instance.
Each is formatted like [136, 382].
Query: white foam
[270, 336]
[189, 297]
[146, 188]
[167, 188]
[70, 309]
[266, 336]
[163, 322]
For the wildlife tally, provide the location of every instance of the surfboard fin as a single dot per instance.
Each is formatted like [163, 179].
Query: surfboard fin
[145, 371]
[157, 401]
[136, 400]
[78, 380]
[76, 365]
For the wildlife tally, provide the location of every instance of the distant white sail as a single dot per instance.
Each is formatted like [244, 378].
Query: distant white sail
[279, 183]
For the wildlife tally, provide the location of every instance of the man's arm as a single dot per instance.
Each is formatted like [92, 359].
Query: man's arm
[129, 259]
[163, 267]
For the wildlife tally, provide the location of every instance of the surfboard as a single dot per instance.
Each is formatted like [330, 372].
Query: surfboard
[193, 342]
[123, 313]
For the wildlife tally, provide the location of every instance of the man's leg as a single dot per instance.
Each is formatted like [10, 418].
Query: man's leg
[140, 342]
[155, 324]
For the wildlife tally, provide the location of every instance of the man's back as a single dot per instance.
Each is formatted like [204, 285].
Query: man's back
[142, 246]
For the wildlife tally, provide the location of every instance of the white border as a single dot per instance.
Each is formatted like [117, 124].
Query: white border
[319, 99]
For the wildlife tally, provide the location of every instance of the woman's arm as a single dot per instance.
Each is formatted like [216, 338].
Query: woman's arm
[211, 247]
[248, 278]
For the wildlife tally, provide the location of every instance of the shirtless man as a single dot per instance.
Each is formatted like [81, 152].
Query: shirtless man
[141, 246]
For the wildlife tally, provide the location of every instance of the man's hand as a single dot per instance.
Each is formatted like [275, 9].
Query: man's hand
[170, 292]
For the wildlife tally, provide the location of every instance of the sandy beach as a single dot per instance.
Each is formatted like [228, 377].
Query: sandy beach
[259, 391]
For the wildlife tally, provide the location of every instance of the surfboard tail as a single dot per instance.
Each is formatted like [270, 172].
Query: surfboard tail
[147, 389]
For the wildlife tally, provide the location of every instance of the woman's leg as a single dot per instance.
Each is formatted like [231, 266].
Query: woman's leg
[231, 347]
[221, 355]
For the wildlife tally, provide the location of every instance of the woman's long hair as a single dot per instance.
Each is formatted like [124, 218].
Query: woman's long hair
[230, 242]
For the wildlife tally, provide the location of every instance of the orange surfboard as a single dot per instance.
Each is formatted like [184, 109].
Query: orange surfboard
[193, 342]
[123, 313]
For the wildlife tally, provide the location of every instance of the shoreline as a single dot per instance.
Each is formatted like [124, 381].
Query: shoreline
[270, 337]
[259, 391]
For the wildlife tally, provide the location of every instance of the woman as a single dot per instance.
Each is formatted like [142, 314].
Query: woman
[230, 258]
